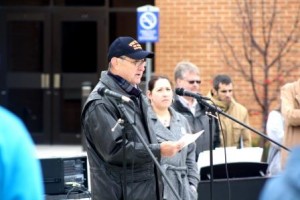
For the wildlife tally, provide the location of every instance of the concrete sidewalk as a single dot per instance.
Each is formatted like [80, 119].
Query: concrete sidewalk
[59, 151]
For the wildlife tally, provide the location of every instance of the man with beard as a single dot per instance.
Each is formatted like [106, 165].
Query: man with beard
[233, 133]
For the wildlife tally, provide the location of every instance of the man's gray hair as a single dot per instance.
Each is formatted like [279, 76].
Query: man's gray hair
[184, 67]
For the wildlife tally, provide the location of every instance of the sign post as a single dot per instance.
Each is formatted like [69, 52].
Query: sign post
[148, 31]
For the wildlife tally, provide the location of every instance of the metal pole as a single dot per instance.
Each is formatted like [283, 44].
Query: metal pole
[86, 88]
[148, 66]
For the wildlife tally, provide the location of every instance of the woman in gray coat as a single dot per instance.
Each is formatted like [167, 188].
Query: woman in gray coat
[170, 125]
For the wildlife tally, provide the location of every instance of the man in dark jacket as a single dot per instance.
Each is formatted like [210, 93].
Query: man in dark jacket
[187, 76]
[105, 147]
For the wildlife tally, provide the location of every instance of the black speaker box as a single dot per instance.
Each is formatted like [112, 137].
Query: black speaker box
[235, 170]
[59, 173]
[232, 189]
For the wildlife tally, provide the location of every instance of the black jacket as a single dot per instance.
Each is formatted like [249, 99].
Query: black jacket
[197, 123]
[105, 149]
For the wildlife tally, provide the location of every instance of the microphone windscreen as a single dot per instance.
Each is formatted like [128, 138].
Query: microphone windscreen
[101, 91]
[179, 91]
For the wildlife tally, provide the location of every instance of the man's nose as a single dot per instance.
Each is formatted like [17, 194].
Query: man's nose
[228, 93]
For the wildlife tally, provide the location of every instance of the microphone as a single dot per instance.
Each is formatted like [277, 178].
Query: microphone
[182, 92]
[106, 92]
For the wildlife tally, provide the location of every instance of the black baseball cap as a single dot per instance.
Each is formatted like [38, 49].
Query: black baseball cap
[127, 46]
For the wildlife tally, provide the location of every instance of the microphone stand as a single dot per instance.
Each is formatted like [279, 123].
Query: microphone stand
[215, 109]
[129, 119]
[210, 118]
[218, 110]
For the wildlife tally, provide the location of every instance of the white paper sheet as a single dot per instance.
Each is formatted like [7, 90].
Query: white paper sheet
[188, 138]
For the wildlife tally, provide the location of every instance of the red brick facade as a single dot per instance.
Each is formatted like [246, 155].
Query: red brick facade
[188, 32]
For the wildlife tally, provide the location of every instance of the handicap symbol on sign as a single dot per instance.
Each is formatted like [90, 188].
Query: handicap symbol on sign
[148, 20]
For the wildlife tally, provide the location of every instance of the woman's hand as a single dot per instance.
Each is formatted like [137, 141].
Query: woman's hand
[170, 148]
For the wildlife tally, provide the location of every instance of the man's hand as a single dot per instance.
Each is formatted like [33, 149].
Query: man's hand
[170, 148]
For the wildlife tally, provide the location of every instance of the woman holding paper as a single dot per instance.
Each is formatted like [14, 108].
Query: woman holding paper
[170, 125]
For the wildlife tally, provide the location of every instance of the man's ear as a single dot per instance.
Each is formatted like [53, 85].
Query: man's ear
[214, 92]
[114, 61]
[178, 82]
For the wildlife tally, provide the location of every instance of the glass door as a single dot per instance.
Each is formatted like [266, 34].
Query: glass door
[25, 68]
[79, 54]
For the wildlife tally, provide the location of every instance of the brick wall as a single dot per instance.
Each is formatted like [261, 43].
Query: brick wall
[188, 32]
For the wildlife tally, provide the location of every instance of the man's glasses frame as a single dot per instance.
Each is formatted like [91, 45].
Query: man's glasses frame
[136, 63]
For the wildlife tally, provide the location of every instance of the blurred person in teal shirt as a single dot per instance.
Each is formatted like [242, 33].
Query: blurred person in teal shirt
[20, 170]
[286, 185]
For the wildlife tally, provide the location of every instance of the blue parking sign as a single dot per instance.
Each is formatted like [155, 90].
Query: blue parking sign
[148, 23]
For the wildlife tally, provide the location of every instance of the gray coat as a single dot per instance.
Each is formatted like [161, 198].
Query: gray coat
[181, 169]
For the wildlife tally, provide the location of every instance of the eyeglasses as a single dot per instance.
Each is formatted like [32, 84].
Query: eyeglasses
[137, 63]
[193, 81]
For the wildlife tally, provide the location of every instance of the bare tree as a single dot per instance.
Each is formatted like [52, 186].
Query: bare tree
[262, 52]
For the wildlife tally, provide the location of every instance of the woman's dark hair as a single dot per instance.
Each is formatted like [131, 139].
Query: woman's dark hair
[155, 78]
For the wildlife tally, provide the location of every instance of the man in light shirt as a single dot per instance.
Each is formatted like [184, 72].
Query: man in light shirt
[187, 76]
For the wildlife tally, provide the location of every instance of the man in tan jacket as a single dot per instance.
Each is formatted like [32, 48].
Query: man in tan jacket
[233, 133]
[290, 105]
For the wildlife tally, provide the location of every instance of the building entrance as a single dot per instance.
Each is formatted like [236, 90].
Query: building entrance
[47, 55]
[48, 49]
